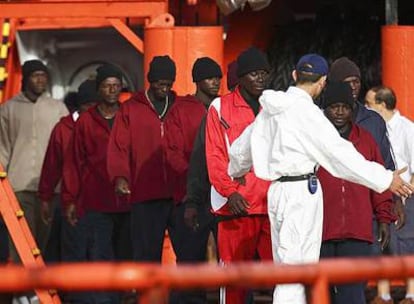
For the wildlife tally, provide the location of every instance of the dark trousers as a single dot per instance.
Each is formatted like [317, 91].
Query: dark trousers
[149, 220]
[111, 241]
[402, 241]
[347, 293]
[4, 242]
[190, 247]
[76, 247]
[53, 251]
[111, 236]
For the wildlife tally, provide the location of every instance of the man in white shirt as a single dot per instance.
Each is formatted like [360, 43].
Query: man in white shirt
[287, 141]
[401, 134]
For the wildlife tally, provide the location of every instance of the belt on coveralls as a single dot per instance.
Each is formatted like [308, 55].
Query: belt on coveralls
[295, 178]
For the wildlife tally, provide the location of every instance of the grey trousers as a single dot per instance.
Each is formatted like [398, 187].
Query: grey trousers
[31, 206]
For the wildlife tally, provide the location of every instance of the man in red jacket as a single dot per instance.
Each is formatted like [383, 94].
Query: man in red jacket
[137, 162]
[186, 122]
[87, 180]
[65, 242]
[240, 205]
[349, 207]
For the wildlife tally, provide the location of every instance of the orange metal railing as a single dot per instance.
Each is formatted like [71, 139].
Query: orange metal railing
[147, 278]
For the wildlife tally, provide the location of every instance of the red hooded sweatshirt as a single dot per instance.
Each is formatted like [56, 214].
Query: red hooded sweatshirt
[137, 149]
[86, 177]
[182, 127]
[349, 207]
[57, 151]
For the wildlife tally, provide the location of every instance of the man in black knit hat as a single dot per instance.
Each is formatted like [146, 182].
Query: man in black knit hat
[90, 193]
[240, 205]
[26, 122]
[137, 162]
[185, 137]
[352, 203]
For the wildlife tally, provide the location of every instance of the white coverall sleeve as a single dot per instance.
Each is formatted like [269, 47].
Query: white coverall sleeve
[337, 155]
[240, 154]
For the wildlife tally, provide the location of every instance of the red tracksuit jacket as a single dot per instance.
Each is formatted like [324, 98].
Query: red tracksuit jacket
[57, 151]
[86, 177]
[137, 147]
[235, 115]
[349, 207]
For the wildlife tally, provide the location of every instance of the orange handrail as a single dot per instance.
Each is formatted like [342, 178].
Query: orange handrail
[146, 277]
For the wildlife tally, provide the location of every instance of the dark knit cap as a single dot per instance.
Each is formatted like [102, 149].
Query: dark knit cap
[232, 79]
[87, 92]
[250, 60]
[29, 67]
[161, 68]
[106, 71]
[338, 92]
[343, 68]
[204, 68]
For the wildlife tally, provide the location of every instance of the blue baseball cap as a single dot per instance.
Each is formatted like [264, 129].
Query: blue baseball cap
[312, 63]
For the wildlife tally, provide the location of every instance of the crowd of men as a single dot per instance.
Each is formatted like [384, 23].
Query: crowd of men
[248, 166]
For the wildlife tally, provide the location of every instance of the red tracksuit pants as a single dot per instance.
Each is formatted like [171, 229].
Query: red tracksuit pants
[239, 240]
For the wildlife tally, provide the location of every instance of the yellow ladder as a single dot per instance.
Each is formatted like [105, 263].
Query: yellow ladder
[21, 235]
[4, 50]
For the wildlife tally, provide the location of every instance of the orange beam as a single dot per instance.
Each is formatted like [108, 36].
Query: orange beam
[128, 34]
[70, 9]
[126, 276]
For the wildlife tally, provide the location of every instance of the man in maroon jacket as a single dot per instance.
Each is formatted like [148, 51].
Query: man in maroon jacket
[187, 120]
[137, 162]
[87, 180]
[349, 207]
[65, 241]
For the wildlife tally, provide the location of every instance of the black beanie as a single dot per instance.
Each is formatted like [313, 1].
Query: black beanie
[343, 68]
[250, 60]
[338, 92]
[161, 68]
[105, 71]
[87, 92]
[204, 68]
[29, 67]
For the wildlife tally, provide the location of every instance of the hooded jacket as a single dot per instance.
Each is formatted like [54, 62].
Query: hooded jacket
[291, 136]
[182, 127]
[57, 151]
[348, 207]
[85, 174]
[137, 149]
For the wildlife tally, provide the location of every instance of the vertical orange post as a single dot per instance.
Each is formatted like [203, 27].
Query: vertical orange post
[184, 45]
[320, 291]
[398, 65]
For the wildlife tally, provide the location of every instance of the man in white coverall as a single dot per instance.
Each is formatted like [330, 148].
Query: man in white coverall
[287, 141]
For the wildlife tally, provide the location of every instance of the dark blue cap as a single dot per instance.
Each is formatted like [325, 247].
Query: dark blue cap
[312, 63]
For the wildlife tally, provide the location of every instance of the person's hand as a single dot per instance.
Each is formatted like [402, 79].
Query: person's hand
[122, 186]
[399, 210]
[399, 186]
[383, 235]
[237, 204]
[191, 217]
[45, 212]
[71, 214]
